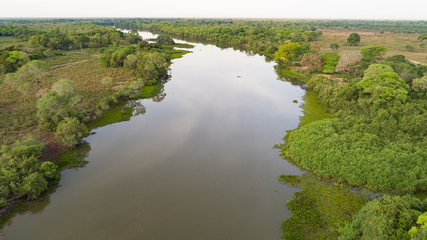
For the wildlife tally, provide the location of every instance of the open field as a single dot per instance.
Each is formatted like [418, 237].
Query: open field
[82, 67]
[394, 42]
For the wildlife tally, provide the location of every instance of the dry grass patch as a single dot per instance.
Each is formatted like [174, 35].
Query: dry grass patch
[394, 42]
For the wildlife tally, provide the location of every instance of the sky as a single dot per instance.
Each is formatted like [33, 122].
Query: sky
[312, 9]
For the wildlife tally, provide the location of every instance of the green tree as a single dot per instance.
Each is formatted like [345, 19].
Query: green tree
[133, 37]
[420, 84]
[353, 39]
[151, 66]
[383, 90]
[377, 69]
[409, 48]
[389, 217]
[290, 53]
[371, 52]
[422, 37]
[60, 102]
[329, 62]
[119, 55]
[165, 40]
[50, 171]
[29, 76]
[334, 46]
[81, 40]
[14, 60]
[70, 131]
[131, 61]
[33, 185]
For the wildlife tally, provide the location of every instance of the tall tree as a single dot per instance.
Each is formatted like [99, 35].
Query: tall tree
[353, 39]
[29, 76]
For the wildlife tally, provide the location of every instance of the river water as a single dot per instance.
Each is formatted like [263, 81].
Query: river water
[198, 164]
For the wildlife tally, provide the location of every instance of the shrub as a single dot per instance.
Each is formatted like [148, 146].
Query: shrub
[50, 171]
[33, 185]
[163, 39]
[60, 102]
[329, 62]
[353, 39]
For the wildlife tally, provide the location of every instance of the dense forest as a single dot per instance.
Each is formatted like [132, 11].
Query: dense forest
[373, 136]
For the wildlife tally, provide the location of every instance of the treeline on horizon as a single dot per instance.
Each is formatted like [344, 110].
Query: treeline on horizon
[397, 26]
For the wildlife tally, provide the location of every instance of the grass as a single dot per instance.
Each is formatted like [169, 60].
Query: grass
[6, 41]
[320, 208]
[118, 113]
[73, 158]
[394, 42]
[18, 109]
[183, 45]
[313, 110]
[151, 91]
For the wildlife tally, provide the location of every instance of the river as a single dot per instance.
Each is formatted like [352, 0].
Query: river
[198, 164]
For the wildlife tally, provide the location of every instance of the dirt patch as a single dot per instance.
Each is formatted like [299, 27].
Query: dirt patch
[52, 149]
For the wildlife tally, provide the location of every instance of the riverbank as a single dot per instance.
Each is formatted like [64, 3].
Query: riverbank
[365, 144]
[104, 94]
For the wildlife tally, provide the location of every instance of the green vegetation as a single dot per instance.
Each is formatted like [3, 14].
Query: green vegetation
[151, 91]
[21, 174]
[312, 109]
[319, 209]
[389, 217]
[364, 116]
[56, 76]
[70, 131]
[117, 113]
[353, 39]
[165, 40]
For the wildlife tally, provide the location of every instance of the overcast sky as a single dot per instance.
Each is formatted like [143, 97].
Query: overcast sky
[336, 9]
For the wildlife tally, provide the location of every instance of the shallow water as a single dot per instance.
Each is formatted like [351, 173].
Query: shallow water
[197, 165]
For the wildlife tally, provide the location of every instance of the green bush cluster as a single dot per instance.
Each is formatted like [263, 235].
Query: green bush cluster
[319, 208]
[21, 174]
[389, 217]
[378, 139]
[70, 131]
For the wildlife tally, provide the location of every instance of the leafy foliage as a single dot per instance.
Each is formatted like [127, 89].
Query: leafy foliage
[29, 75]
[70, 131]
[20, 173]
[319, 208]
[353, 39]
[290, 53]
[329, 62]
[164, 39]
[60, 102]
[389, 217]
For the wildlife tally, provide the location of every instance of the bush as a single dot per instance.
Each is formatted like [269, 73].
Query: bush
[60, 102]
[166, 40]
[33, 185]
[329, 62]
[353, 39]
[377, 69]
[70, 131]
[50, 171]
[389, 217]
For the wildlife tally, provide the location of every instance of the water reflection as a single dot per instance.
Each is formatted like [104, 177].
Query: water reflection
[198, 165]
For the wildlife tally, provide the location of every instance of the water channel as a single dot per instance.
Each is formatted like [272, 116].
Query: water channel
[198, 164]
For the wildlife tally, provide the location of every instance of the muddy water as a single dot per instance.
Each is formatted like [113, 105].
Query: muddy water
[198, 164]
